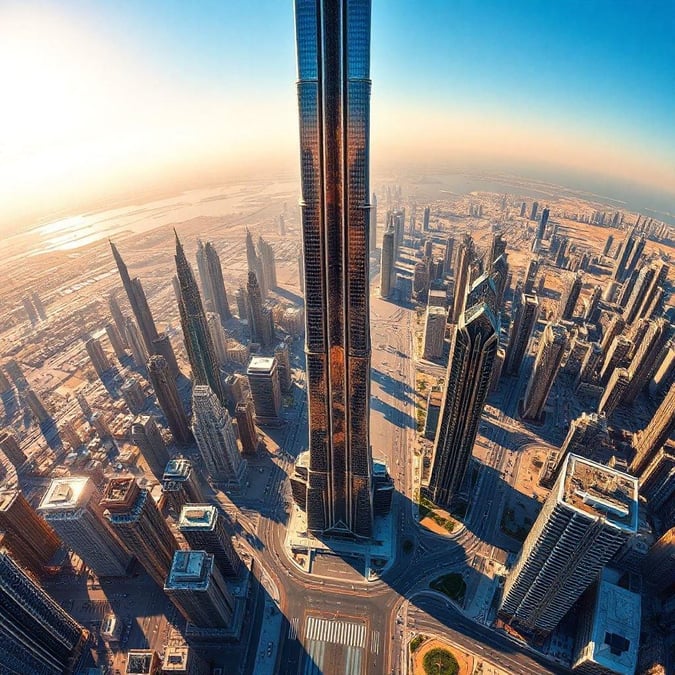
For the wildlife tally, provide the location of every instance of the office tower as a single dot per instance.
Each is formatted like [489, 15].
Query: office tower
[169, 399]
[204, 277]
[217, 337]
[569, 297]
[434, 403]
[463, 260]
[648, 441]
[161, 346]
[138, 523]
[84, 405]
[9, 444]
[421, 280]
[434, 332]
[541, 230]
[635, 256]
[592, 314]
[472, 353]
[397, 221]
[234, 389]
[263, 378]
[608, 245]
[214, 433]
[665, 371]
[589, 365]
[372, 221]
[197, 588]
[387, 264]
[608, 633]
[30, 310]
[301, 271]
[133, 395]
[137, 300]
[552, 344]
[617, 355]
[657, 481]
[623, 255]
[118, 316]
[591, 512]
[116, 341]
[500, 276]
[100, 424]
[255, 264]
[268, 263]
[525, 313]
[135, 340]
[636, 300]
[35, 405]
[197, 338]
[182, 659]
[214, 269]
[586, 437]
[645, 359]
[31, 541]
[616, 325]
[483, 290]
[142, 662]
[241, 298]
[283, 357]
[207, 529]
[259, 324]
[658, 567]
[531, 275]
[68, 434]
[246, 427]
[36, 635]
[146, 436]
[523, 206]
[628, 287]
[448, 256]
[425, 219]
[533, 212]
[71, 506]
[180, 484]
[98, 358]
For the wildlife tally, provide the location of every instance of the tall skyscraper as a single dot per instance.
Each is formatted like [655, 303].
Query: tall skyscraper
[333, 49]
[467, 383]
[372, 232]
[464, 258]
[31, 541]
[161, 346]
[169, 399]
[36, 635]
[552, 344]
[533, 212]
[197, 588]
[137, 300]
[139, 352]
[259, 321]
[525, 313]
[217, 337]
[614, 392]
[434, 332]
[30, 398]
[657, 480]
[425, 219]
[591, 512]
[213, 431]
[198, 343]
[11, 448]
[98, 357]
[180, 484]
[617, 357]
[248, 434]
[387, 269]
[531, 275]
[645, 360]
[138, 523]
[255, 264]
[569, 297]
[592, 313]
[623, 255]
[448, 256]
[145, 435]
[71, 506]
[117, 315]
[263, 378]
[116, 341]
[268, 263]
[207, 529]
[541, 230]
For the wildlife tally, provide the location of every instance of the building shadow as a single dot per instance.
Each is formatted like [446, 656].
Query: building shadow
[401, 391]
[290, 296]
[10, 404]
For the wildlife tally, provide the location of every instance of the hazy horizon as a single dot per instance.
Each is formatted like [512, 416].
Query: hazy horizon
[108, 104]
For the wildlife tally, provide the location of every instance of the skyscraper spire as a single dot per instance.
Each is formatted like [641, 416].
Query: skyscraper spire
[198, 341]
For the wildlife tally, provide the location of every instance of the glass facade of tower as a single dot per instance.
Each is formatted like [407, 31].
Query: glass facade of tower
[333, 50]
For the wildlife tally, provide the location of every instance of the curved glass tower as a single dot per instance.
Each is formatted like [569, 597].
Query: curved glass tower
[333, 50]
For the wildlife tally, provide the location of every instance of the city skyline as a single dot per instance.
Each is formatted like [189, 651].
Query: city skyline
[469, 90]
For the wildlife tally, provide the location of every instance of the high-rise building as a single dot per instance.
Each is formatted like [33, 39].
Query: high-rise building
[169, 399]
[648, 441]
[84, 405]
[138, 523]
[180, 484]
[334, 109]
[197, 588]
[31, 541]
[587, 436]
[608, 245]
[525, 313]
[35, 405]
[372, 232]
[301, 271]
[615, 391]
[69, 434]
[283, 357]
[541, 230]
[161, 346]
[182, 659]
[139, 353]
[36, 635]
[214, 433]
[448, 256]
[646, 358]
[205, 528]
[198, 343]
[463, 259]
[623, 255]
[268, 263]
[658, 567]
[262, 330]
[118, 316]
[617, 357]
[500, 276]
[589, 365]
[145, 435]
[569, 298]
[552, 344]
[523, 206]
[467, 382]
[246, 427]
[657, 480]
[116, 341]
[533, 212]
[72, 507]
[217, 337]
[211, 275]
[133, 395]
[9, 444]
[387, 262]
[591, 512]
[434, 332]
[531, 275]
[263, 378]
[137, 300]
[592, 314]
[425, 219]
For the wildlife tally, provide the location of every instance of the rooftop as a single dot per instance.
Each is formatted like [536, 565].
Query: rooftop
[260, 364]
[120, 494]
[175, 659]
[7, 498]
[64, 493]
[142, 661]
[190, 569]
[600, 492]
[177, 468]
[197, 516]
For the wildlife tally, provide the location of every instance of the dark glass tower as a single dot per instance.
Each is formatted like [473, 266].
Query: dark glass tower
[213, 286]
[333, 50]
[169, 398]
[198, 342]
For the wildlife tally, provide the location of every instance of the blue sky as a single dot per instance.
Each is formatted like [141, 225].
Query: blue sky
[582, 85]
